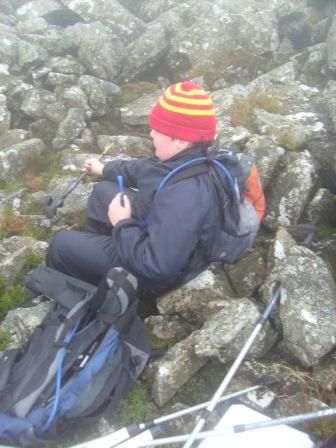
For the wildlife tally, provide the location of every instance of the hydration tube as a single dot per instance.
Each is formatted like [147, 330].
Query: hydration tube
[60, 360]
[228, 176]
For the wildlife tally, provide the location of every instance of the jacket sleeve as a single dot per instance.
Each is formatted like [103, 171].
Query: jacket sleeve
[129, 169]
[173, 230]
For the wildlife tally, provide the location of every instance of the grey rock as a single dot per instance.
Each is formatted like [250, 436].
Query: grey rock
[292, 131]
[198, 298]
[151, 9]
[8, 201]
[51, 40]
[324, 373]
[168, 327]
[316, 60]
[30, 55]
[8, 45]
[125, 144]
[330, 99]
[290, 190]
[224, 333]
[99, 50]
[75, 203]
[324, 156]
[331, 45]
[215, 31]
[13, 137]
[21, 323]
[32, 25]
[101, 94]
[15, 159]
[60, 79]
[70, 128]
[308, 306]
[14, 251]
[37, 8]
[266, 154]
[5, 78]
[246, 275]
[322, 209]
[174, 369]
[144, 52]
[75, 97]
[40, 103]
[66, 65]
[136, 112]
[5, 115]
[111, 13]
[326, 249]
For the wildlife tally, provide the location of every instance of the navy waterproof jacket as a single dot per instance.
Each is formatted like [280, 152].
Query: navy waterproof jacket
[170, 234]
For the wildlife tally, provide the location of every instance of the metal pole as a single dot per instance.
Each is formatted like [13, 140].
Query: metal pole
[126, 433]
[213, 402]
[331, 412]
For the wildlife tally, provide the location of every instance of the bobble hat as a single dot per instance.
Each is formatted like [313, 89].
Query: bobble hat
[186, 112]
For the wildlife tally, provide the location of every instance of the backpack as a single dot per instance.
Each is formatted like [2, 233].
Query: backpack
[79, 362]
[240, 196]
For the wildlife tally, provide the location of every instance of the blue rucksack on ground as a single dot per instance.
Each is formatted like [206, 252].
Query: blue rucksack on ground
[79, 362]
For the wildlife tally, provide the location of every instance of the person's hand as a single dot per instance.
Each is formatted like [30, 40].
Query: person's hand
[116, 212]
[94, 166]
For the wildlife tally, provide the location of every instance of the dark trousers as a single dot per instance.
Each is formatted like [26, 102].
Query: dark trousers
[90, 254]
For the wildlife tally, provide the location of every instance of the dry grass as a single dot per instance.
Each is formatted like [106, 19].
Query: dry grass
[242, 112]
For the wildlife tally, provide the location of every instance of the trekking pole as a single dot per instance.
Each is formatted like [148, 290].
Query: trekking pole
[129, 432]
[235, 429]
[51, 205]
[233, 369]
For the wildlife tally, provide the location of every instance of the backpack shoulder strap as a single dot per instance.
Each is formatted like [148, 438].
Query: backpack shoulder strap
[185, 170]
[191, 171]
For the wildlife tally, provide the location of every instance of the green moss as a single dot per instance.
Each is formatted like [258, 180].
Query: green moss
[325, 233]
[4, 339]
[107, 125]
[32, 260]
[158, 343]
[3, 184]
[132, 91]
[11, 298]
[132, 408]
[203, 385]
[11, 187]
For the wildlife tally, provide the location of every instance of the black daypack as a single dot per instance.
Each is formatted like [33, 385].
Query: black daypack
[240, 198]
[78, 363]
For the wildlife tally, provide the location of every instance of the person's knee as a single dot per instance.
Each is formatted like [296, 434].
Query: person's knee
[103, 189]
[57, 248]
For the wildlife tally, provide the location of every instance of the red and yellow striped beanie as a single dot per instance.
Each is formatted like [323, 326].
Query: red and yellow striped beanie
[184, 111]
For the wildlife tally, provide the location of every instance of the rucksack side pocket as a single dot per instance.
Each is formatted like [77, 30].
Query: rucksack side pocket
[229, 246]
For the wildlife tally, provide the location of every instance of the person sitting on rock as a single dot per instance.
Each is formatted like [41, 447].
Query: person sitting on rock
[162, 239]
